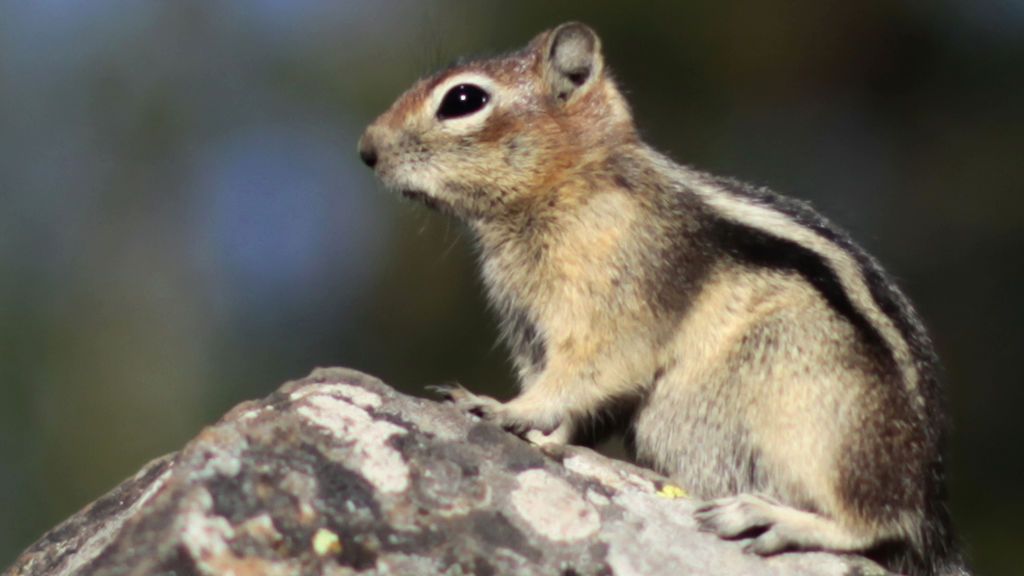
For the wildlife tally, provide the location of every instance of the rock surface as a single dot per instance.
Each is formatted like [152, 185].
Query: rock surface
[339, 474]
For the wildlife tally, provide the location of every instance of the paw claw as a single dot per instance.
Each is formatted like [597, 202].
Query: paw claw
[766, 544]
[467, 401]
[708, 505]
[447, 392]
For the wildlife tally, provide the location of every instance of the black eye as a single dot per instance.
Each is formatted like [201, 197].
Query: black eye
[462, 100]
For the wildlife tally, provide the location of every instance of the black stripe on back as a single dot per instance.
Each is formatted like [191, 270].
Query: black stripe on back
[883, 290]
[759, 248]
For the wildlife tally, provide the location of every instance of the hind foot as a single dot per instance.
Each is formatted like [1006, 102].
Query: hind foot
[773, 527]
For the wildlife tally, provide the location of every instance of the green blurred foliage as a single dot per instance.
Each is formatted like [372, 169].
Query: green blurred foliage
[184, 224]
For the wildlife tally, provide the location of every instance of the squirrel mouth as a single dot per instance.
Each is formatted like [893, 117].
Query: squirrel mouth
[420, 196]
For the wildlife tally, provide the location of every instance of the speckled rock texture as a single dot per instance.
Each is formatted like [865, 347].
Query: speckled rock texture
[339, 474]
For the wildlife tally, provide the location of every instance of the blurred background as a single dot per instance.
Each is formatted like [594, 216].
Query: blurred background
[184, 223]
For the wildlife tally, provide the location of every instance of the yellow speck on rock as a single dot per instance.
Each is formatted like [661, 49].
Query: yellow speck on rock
[326, 542]
[672, 492]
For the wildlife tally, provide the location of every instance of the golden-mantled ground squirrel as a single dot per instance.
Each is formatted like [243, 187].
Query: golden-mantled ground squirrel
[769, 365]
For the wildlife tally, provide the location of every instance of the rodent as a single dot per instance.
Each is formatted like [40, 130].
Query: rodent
[767, 363]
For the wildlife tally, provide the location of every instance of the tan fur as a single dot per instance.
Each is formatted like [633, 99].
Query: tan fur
[769, 365]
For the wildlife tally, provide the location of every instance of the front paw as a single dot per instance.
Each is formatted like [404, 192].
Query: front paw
[560, 436]
[512, 416]
[482, 406]
[520, 418]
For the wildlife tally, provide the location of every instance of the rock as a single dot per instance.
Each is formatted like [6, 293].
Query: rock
[339, 474]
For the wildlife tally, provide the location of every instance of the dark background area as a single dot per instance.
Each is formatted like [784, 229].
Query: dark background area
[184, 223]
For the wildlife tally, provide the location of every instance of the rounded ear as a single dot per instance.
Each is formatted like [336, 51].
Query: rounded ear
[572, 60]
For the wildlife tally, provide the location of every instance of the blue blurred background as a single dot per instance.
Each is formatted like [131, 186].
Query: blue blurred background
[184, 223]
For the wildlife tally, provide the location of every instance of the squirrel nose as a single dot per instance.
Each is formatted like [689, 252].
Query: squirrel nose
[367, 151]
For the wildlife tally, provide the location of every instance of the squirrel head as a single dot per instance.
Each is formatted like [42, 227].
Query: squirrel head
[491, 136]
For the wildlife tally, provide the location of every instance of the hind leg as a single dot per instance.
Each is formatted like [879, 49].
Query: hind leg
[774, 527]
